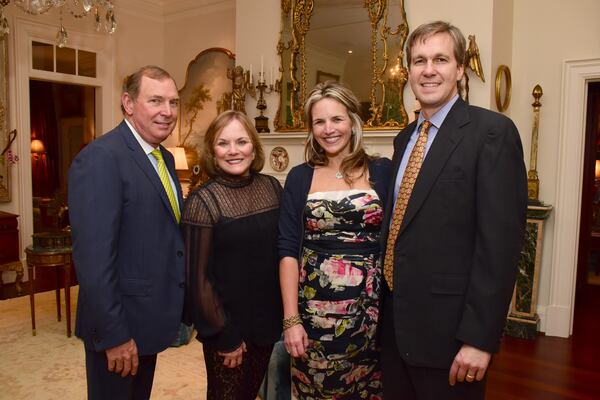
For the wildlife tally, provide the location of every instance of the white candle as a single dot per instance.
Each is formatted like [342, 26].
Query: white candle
[251, 80]
[262, 68]
[271, 80]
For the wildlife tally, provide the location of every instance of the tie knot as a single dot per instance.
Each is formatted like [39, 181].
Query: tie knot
[157, 154]
[425, 126]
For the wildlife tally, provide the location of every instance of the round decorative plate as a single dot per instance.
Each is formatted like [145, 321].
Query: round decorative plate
[279, 159]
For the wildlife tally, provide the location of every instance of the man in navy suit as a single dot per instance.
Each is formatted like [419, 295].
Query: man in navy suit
[454, 255]
[127, 245]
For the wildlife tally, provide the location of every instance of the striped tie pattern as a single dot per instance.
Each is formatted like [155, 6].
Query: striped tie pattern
[406, 187]
[164, 178]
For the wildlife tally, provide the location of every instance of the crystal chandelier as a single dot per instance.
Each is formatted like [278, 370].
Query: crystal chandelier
[102, 10]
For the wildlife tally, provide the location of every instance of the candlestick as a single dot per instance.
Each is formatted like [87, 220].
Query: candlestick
[262, 122]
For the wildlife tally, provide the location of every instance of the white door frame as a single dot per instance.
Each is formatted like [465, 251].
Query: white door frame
[103, 45]
[575, 78]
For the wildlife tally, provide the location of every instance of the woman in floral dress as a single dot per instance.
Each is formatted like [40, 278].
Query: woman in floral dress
[330, 270]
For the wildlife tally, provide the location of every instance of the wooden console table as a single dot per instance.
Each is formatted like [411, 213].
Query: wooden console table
[55, 258]
[9, 248]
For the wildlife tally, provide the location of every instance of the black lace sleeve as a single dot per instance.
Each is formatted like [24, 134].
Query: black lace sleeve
[203, 302]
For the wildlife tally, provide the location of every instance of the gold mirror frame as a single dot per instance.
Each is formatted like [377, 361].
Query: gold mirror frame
[503, 77]
[388, 71]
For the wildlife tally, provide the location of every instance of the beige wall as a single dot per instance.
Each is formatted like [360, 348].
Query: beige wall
[189, 33]
[546, 34]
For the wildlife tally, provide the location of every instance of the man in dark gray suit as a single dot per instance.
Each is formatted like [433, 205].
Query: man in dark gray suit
[124, 205]
[456, 227]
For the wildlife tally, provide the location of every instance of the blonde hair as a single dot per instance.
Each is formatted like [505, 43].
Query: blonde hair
[207, 157]
[314, 154]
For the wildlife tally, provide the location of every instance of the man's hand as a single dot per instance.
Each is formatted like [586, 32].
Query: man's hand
[123, 358]
[469, 364]
[233, 358]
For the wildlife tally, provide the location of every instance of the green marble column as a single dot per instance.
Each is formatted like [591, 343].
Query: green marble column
[522, 319]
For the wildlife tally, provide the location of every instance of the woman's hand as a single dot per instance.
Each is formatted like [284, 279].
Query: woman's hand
[295, 340]
[234, 358]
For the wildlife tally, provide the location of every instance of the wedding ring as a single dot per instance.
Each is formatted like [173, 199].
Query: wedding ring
[470, 377]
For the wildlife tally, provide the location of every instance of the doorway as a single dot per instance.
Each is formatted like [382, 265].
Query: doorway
[62, 120]
[587, 295]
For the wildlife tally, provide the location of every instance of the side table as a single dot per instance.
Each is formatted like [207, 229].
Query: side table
[55, 258]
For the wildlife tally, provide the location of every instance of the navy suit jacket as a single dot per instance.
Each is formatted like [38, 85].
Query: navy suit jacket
[457, 251]
[127, 246]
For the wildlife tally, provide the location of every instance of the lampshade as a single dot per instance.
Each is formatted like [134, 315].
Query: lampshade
[180, 160]
[597, 170]
[37, 146]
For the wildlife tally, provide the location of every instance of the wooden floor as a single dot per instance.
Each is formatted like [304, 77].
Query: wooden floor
[550, 368]
[547, 368]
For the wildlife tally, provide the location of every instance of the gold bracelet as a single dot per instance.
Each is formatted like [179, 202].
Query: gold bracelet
[291, 321]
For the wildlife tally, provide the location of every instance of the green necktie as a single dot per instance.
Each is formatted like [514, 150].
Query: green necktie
[164, 178]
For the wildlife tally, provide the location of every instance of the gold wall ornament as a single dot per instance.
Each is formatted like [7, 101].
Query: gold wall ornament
[503, 77]
[533, 182]
[241, 84]
[315, 32]
[472, 62]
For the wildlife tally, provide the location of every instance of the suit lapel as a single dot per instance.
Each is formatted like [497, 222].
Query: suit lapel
[448, 137]
[141, 159]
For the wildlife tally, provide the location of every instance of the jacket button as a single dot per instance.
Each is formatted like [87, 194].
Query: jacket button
[179, 253]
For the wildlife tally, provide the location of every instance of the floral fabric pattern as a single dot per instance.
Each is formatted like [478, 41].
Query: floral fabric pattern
[338, 296]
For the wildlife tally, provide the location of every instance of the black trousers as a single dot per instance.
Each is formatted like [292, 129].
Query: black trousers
[105, 385]
[408, 382]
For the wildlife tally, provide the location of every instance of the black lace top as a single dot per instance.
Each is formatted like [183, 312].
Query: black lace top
[230, 231]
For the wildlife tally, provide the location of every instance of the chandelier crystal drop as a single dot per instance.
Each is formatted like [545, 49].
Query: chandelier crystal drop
[77, 8]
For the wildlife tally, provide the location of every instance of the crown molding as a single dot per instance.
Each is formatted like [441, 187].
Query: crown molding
[153, 9]
[171, 10]
[180, 9]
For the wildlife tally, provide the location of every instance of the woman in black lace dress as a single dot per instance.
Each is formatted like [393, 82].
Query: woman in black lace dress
[230, 231]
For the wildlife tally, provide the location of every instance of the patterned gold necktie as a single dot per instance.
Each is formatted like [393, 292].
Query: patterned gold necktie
[164, 178]
[406, 187]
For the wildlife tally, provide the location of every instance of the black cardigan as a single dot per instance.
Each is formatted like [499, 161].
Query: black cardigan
[295, 194]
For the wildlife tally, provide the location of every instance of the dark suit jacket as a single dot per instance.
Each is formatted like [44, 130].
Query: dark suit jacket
[127, 246]
[457, 251]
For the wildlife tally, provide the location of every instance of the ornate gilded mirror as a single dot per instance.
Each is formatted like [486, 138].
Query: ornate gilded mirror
[358, 42]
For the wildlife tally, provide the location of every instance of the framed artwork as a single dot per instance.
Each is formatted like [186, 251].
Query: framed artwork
[206, 87]
[326, 76]
[206, 84]
[5, 137]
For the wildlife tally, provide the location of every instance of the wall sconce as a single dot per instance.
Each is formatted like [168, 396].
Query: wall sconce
[37, 148]
[597, 170]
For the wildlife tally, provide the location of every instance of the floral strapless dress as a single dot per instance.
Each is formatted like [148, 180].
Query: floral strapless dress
[338, 296]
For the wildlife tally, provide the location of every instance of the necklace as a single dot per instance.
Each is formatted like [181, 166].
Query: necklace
[339, 175]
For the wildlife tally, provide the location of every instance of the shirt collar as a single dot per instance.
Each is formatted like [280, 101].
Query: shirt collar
[145, 145]
[438, 118]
